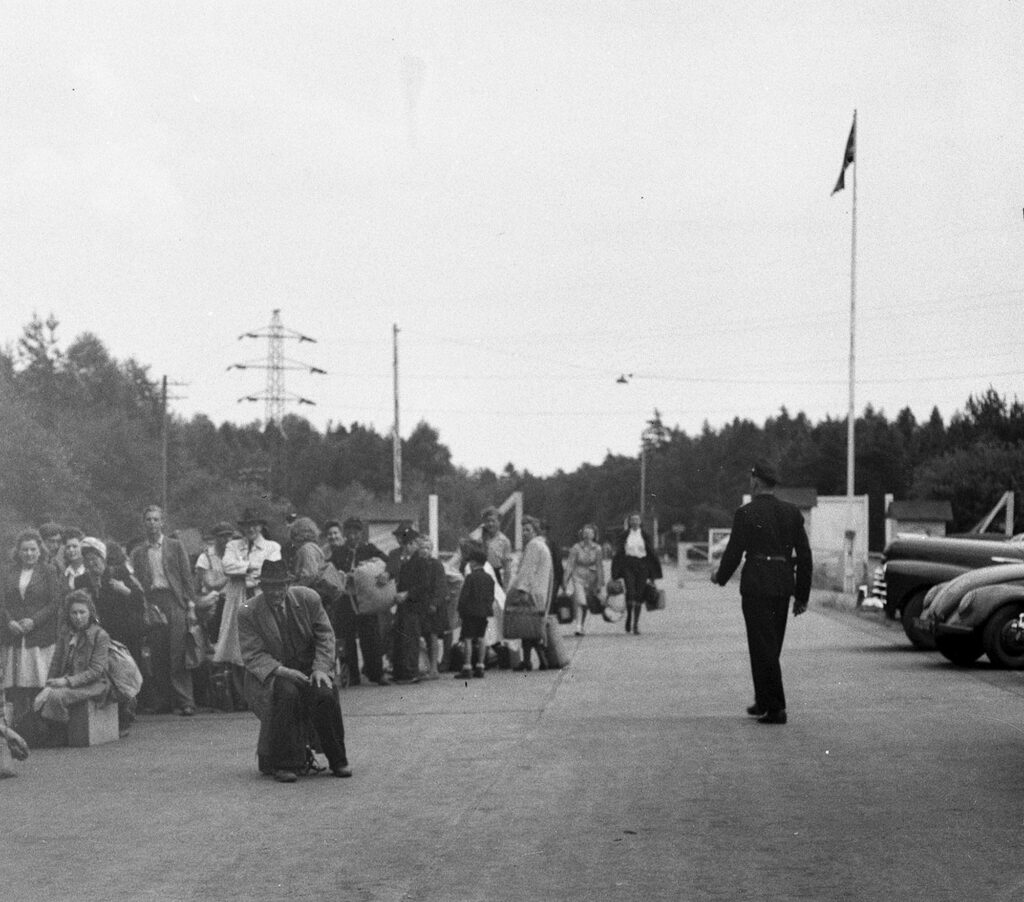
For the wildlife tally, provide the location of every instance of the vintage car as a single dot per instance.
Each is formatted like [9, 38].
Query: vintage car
[914, 564]
[961, 641]
[989, 619]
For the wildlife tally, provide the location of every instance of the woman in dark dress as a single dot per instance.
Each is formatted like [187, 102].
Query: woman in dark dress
[119, 601]
[29, 609]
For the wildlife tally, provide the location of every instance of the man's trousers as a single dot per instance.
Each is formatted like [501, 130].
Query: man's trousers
[766, 628]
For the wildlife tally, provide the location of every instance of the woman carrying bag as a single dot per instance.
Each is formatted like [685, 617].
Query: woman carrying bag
[531, 589]
[636, 563]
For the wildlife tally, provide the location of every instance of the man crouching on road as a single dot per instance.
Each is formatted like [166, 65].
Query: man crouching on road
[288, 649]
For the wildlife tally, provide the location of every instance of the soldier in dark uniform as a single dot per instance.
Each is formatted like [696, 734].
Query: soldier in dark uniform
[777, 567]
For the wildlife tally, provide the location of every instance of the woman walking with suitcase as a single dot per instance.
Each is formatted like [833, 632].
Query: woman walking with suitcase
[636, 564]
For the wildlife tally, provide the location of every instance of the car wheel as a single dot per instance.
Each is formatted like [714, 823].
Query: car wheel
[911, 610]
[342, 676]
[961, 650]
[1003, 644]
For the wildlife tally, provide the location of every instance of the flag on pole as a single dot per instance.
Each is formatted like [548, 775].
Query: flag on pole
[848, 156]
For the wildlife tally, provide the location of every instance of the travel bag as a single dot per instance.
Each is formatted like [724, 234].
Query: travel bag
[555, 653]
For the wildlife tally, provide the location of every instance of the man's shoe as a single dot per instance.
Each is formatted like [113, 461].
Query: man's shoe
[407, 681]
[186, 711]
[523, 666]
[772, 717]
[478, 671]
[465, 674]
[341, 770]
[383, 681]
[285, 776]
[756, 711]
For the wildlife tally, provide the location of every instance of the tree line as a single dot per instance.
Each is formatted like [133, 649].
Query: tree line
[82, 439]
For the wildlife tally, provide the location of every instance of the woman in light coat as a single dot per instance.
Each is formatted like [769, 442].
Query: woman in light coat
[533, 582]
[243, 560]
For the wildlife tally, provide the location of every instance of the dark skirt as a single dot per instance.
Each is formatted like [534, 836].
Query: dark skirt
[635, 574]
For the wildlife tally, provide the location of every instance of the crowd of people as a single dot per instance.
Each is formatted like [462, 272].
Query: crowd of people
[274, 627]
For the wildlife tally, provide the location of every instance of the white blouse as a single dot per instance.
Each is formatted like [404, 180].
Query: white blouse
[635, 544]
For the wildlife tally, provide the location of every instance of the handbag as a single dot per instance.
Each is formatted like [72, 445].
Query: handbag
[123, 672]
[565, 608]
[152, 616]
[654, 598]
[522, 620]
[195, 644]
[555, 652]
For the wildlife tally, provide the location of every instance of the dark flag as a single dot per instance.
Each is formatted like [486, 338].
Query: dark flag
[848, 156]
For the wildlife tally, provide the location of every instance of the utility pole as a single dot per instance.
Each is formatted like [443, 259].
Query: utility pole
[164, 398]
[275, 365]
[163, 444]
[396, 436]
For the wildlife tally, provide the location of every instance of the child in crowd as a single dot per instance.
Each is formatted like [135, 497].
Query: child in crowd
[476, 604]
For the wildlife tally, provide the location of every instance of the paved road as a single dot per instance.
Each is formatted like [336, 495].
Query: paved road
[633, 775]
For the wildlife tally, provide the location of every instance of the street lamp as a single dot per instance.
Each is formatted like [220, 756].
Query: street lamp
[651, 437]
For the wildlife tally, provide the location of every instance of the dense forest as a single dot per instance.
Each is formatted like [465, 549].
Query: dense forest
[82, 437]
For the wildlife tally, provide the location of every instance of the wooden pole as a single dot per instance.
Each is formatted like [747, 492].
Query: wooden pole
[396, 436]
[848, 575]
[163, 445]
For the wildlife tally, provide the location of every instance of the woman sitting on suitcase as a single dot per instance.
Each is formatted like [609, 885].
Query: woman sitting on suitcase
[79, 669]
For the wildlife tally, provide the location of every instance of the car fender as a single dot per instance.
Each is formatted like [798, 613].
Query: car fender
[944, 599]
[978, 605]
[905, 577]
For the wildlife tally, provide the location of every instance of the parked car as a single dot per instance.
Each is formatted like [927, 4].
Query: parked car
[959, 641]
[990, 618]
[914, 564]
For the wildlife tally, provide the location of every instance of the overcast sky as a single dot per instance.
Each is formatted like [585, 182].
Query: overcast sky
[543, 196]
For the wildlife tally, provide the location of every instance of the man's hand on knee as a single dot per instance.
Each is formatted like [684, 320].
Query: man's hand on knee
[293, 676]
[320, 678]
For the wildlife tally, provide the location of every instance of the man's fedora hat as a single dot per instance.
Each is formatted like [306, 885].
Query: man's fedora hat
[274, 573]
[404, 532]
[250, 516]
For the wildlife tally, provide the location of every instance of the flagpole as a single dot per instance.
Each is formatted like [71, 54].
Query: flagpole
[848, 575]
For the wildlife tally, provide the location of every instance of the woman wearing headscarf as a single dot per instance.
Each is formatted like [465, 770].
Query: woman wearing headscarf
[584, 573]
[29, 610]
[79, 669]
[636, 563]
[117, 595]
[119, 601]
[533, 583]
